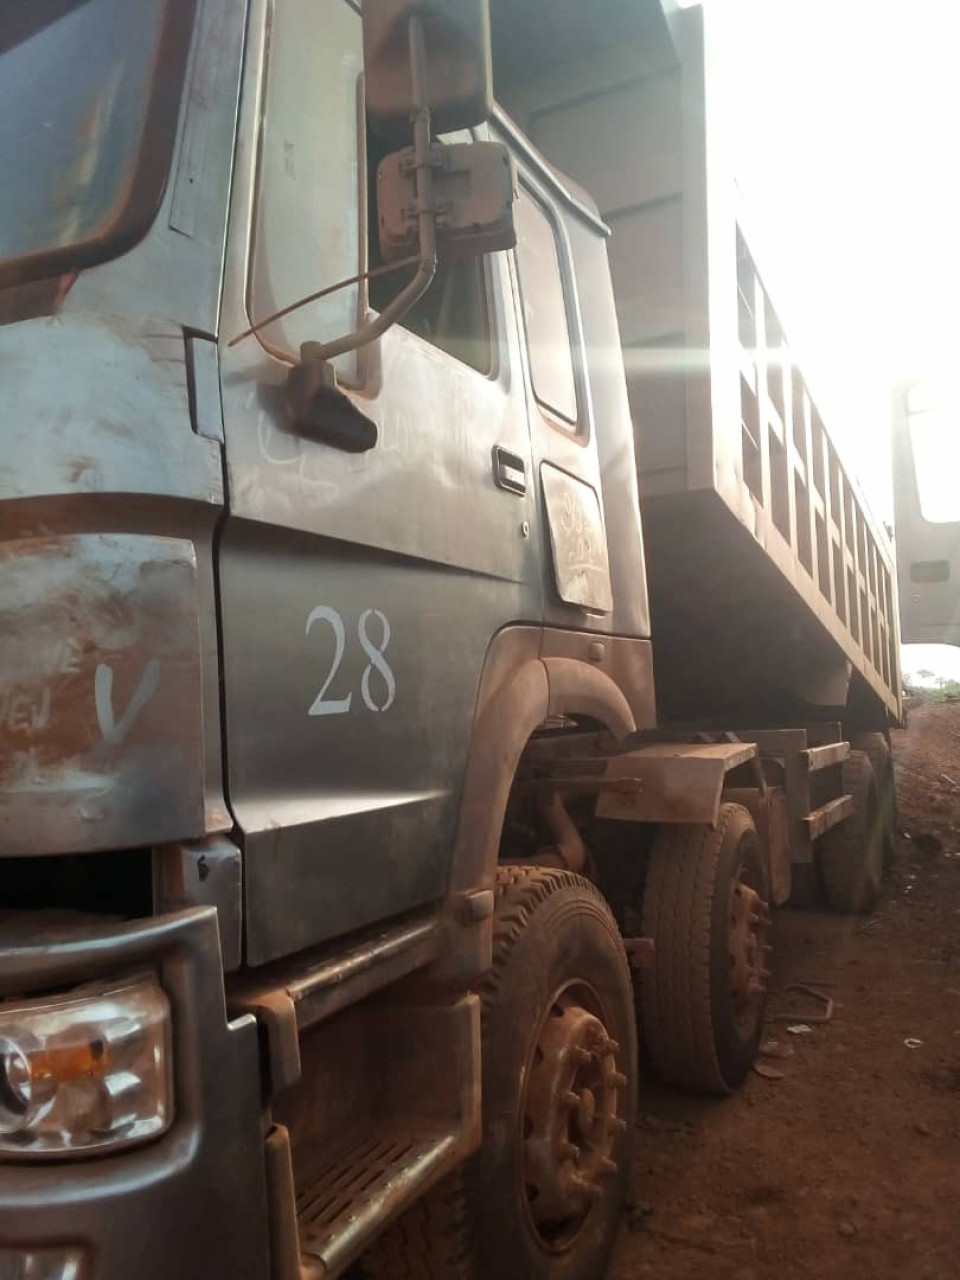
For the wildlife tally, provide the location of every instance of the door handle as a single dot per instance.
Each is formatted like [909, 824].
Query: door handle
[509, 471]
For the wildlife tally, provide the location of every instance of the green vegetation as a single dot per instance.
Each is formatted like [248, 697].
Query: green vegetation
[940, 689]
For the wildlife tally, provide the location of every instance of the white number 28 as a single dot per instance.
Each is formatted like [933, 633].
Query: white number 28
[376, 663]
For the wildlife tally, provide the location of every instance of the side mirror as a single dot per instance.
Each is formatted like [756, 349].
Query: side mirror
[474, 188]
[457, 57]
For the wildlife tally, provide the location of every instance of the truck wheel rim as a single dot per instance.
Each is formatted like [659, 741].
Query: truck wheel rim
[748, 950]
[570, 1116]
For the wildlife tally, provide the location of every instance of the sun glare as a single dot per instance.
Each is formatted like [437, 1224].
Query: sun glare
[845, 120]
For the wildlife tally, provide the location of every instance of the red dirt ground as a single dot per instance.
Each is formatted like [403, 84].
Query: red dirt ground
[850, 1165]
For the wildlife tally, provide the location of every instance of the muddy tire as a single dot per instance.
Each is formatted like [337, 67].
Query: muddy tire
[851, 854]
[877, 748]
[558, 1024]
[702, 997]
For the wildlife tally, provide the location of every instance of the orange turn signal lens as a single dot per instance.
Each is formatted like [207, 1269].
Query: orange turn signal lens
[85, 1070]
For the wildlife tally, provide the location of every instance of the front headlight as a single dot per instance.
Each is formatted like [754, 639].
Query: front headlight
[86, 1070]
[41, 1264]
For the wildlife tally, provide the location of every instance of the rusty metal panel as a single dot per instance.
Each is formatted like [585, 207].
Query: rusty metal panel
[788, 748]
[680, 782]
[817, 758]
[368, 1141]
[101, 726]
[320, 986]
[828, 815]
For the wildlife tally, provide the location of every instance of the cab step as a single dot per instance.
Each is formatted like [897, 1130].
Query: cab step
[350, 1200]
[362, 1135]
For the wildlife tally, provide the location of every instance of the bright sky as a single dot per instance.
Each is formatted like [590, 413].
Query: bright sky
[847, 116]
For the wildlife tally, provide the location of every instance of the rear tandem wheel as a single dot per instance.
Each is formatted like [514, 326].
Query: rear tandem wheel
[703, 994]
[876, 747]
[851, 853]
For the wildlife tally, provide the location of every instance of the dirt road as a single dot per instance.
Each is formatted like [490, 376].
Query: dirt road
[850, 1165]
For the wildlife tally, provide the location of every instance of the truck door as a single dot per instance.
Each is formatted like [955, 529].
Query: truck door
[359, 591]
[575, 563]
[926, 479]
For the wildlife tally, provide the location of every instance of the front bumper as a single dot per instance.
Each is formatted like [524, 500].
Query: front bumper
[191, 1205]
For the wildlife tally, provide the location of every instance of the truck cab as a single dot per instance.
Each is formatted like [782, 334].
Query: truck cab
[266, 689]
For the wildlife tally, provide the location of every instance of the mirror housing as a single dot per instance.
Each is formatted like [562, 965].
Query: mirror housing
[458, 64]
[474, 188]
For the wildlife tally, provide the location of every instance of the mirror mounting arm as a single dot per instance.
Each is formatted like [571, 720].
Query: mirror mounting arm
[426, 220]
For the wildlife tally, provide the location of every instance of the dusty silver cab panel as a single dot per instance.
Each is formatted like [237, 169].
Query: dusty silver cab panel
[359, 592]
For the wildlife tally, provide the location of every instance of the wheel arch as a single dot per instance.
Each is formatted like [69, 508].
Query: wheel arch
[527, 694]
[519, 690]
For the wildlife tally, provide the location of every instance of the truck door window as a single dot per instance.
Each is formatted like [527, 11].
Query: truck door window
[545, 310]
[453, 314]
[307, 229]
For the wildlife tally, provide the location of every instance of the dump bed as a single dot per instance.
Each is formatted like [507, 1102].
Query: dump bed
[772, 587]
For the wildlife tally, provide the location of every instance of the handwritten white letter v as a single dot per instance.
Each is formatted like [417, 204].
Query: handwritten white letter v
[116, 730]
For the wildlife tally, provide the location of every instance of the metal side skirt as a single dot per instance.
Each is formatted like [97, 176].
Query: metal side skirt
[290, 997]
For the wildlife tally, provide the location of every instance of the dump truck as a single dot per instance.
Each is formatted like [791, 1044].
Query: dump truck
[371, 772]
